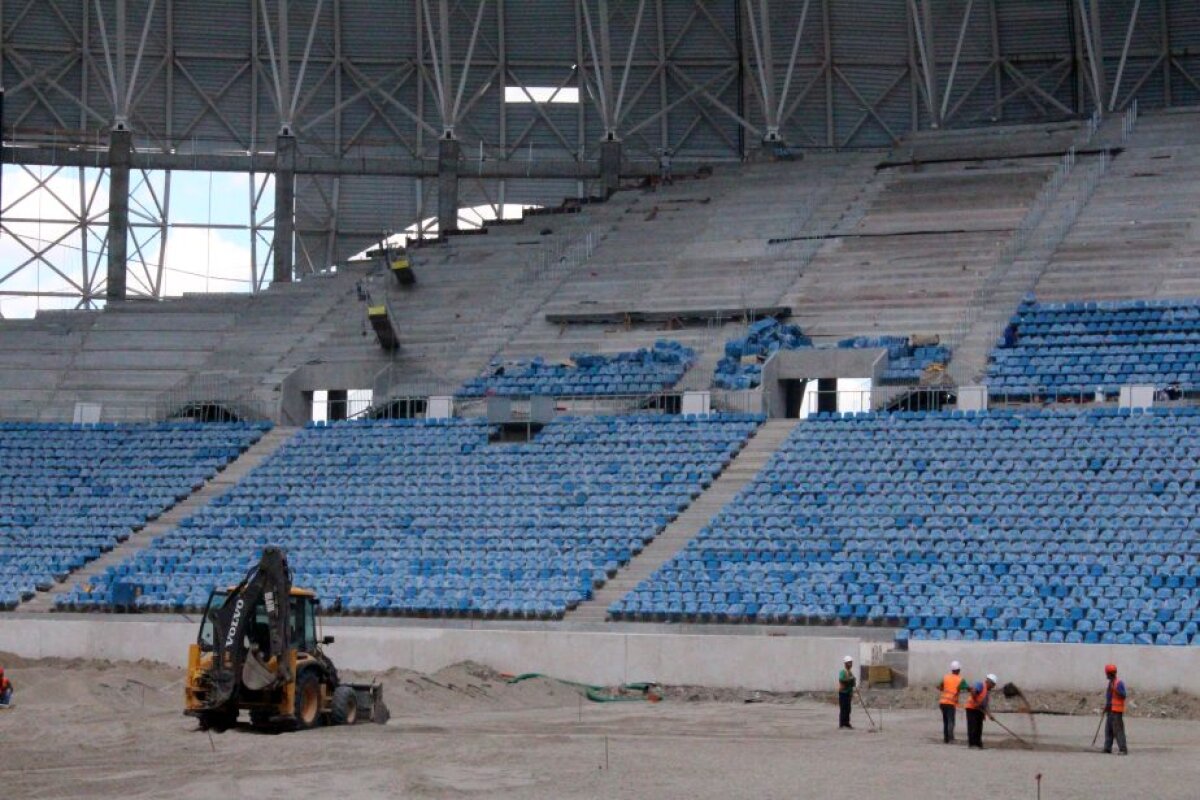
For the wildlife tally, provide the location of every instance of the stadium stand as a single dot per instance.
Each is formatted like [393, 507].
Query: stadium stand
[1024, 526]
[906, 362]
[635, 372]
[428, 518]
[1097, 347]
[1138, 236]
[762, 340]
[69, 493]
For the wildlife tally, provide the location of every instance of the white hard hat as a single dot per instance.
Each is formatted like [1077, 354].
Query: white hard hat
[993, 678]
[955, 666]
[847, 659]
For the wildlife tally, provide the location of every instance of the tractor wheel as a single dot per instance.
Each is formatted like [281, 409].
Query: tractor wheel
[261, 717]
[345, 706]
[308, 700]
[381, 714]
[219, 720]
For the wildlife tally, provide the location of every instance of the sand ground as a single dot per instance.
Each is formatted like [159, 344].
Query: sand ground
[93, 730]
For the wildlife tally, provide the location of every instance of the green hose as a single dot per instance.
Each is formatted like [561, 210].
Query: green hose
[596, 694]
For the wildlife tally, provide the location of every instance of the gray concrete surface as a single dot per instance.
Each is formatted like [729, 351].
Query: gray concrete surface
[101, 731]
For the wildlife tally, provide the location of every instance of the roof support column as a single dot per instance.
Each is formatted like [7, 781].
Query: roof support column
[120, 152]
[448, 157]
[285, 209]
[610, 165]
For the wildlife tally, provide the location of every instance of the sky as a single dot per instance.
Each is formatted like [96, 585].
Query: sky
[197, 259]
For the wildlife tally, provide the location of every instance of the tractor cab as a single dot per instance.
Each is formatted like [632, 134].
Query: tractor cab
[302, 617]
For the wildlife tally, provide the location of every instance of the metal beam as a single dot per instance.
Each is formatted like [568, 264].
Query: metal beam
[958, 45]
[1116, 90]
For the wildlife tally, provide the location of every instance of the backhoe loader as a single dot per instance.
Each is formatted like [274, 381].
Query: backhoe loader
[258, 650]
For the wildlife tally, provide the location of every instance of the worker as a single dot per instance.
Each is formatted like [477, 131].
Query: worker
[953, 684]
[664, 168]
[846, 684]
[978, 697]
[1114, 708]
[6, 689]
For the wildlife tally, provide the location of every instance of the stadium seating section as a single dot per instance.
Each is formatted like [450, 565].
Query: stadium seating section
[429, 518]
[1084, 347]
[741, 368]
[69, 493]
[1043, 526]
[906, 362]
[637, 372]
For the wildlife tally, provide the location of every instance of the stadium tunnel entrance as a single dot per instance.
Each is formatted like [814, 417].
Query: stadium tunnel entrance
[797, 383]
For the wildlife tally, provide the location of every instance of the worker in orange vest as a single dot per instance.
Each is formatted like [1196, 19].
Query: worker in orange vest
[953, 684]
[6, 689]
[1114, 708]
[978, 697]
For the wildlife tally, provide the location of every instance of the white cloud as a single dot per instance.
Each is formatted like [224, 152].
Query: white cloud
[196, 259]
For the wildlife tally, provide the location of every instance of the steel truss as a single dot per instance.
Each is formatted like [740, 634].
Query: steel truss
[373, 114]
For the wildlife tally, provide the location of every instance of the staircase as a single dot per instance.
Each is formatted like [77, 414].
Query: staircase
[220, 483]
[1019, 270]
[752, 458]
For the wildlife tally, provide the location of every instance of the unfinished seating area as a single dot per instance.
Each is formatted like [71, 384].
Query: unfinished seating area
[1097, 347]
[69, 493]
[1042, 526]
[642, 371]
[428, 518]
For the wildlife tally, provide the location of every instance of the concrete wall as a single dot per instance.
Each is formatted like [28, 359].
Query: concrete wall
[752, 661]
[815, 363]
[1059, 666]
[831, 362]
[774, 663]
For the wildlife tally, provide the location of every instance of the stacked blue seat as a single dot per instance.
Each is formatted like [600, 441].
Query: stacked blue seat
[635, 372]
[426, 518]
[1100, 346]
[69, 493]
[741, 367]
[1042, 526]
[906, 362]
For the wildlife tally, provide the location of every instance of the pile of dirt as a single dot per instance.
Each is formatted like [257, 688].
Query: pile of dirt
[467, 685]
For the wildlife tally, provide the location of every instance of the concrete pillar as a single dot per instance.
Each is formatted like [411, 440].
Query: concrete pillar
[448, 154]
[120, 151]
[285, 208]
[610, 165]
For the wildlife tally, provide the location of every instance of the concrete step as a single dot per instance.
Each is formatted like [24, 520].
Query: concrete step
[218, 485]
[748, 462]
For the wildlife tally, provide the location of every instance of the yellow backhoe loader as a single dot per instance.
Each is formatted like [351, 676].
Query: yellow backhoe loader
[258, 651]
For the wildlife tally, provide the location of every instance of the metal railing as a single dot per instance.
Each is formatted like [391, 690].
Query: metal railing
[1033, 236]
[206, 394]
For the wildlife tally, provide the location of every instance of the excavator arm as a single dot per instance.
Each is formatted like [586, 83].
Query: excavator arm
[269, 582]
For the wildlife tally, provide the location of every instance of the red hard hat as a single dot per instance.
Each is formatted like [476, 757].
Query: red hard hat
[1110, 668]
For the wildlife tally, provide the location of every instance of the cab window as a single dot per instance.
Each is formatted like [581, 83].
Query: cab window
[215, 601]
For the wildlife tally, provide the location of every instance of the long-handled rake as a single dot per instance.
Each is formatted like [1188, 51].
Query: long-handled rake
[1099, 725]
[1010, 731]
[863, 703]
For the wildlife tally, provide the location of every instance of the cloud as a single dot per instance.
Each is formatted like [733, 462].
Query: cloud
[196, 259]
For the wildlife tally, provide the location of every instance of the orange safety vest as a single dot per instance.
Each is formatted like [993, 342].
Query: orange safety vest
[951, 686]
[978, 702]
[1116, 703]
